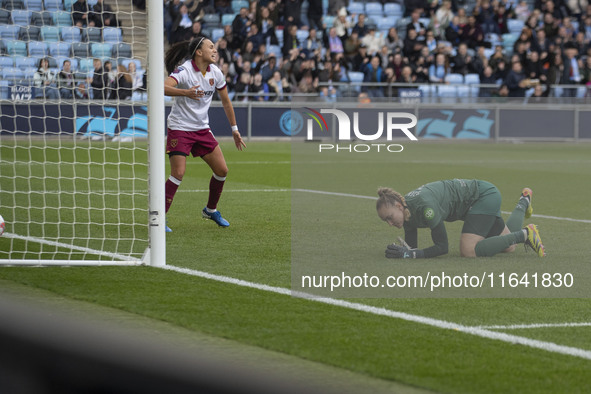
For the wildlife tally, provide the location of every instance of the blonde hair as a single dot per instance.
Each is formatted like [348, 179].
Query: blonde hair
[391, 197]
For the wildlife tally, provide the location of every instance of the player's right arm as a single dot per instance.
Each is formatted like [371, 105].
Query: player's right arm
[171, 89]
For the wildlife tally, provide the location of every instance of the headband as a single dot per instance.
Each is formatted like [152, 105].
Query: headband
[199, 43]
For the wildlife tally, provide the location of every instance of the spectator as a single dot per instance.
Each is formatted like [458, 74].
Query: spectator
[444, 14]
[335, 45]
[393, 41]
[267, 26]
[224, 53]
[80, 14]
[269, 68]
[182, 25]
[259, 88]
[255, 36]
[501, 19]
[485, 18]
[44, 81]
[242, 87]
[223, 7]
[290, 40]
[373, 41]
[396, 64]
[280, 86]
[373, 73]
[315, 13]
[123, 84]
[439, 70]
[516, 81]
[65, 80]
[137, 78]
[312, 45]
[462, 60]
[571, 74]
[351, 46]
[416, 25]
[522, 11]
[360, 27]
[103, 16]
[240, 26]
[308, 84]
[98, 81]
[453, 31]
[412, 45]
[110, 77]
[487, 78]
[472, 33]
[533, 67]
[229, 36]
[586, 72]
[292, 11]
[430, 41]
[334, 6]
[342, 24]
[82, 91]
[360, 59]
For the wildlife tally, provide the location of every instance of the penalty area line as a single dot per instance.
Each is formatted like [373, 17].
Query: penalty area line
[442, 324]
[536, 325]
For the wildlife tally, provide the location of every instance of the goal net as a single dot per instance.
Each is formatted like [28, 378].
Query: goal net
[75, 152]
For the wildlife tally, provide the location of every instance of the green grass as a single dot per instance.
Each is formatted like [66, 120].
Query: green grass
[257, 247]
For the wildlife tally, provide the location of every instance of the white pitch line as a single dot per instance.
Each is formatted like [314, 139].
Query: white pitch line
[375, 198]
[537, 325]
[442, 324]
[71, 247]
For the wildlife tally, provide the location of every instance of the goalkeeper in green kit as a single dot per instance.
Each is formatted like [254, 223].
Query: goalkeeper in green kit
[476, 202]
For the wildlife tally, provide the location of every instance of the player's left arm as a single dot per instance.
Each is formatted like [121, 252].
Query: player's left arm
[229, 110]
[404, 251]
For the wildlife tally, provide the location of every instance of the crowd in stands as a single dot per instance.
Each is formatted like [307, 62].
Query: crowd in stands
[431, 41]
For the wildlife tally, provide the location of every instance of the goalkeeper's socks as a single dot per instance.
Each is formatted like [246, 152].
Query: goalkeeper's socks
[216, 185]
[170, 188]
[493, 245]
[515, 220]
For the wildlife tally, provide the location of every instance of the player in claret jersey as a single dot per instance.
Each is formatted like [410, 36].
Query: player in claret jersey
[476, 202]
[193, 80]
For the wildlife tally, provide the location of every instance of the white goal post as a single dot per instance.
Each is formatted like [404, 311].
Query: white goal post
[82, 179]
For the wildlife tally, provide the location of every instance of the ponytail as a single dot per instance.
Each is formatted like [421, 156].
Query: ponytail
[181, 51]
[391, 197]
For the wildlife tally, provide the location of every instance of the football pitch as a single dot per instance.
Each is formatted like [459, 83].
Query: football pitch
[235, 283]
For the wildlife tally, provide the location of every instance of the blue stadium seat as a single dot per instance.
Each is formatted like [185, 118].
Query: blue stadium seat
[9, 32]
[515, 25]
[21, 17]
[374, 9]
[238, 4]
[70, 34]
[427, 90]
[111, 34]
[356, 77]
[302, 35]
[34, 5]
[4, 90]
[80, 49]
[121, 50]
[329, 20]
[62, 18]
[59, 48]
[92, 34]
[15, 48]
[29, 33]
[216, 34]
[4, 17]
[29, 73]
[447, 91]
[7, 61]
[138, 63]
[463, 91]
[53, 5]
[393, 9]
[274, 50]
[68, 4]
[26, 62]
[227, 19]
[37, 48]
[42, 18]
[12, 74]
[91, 3]
[386, 22]
[12, 5]
[85, 65]
[279, 35]
[50, 33]
[101, 49]
[355, 7]
[211, 21]
[454, 78]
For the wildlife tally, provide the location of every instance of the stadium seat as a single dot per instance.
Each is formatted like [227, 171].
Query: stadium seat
[34, 5]
[21, 17]
[274, 50]
[29, 33]
[427, 90]
[12, 74]
[447, 91]
[454, 78]
[68, 4]
[216, 34]
[393, 9]
[50, 33]
[42, 18]
[356, 78]
[12, 5]
[238, 4]
[138, 63]
[111, 34]
[92, 34]
[227, 19]
[386, 22]
[355, 7]
[26, 62]
[37, 48]
[211, 21]
[70, 34]
[279, 35]
[62, 18]
[85, 65]
[302, 35]
[80, 49]
[9, 32]
[59, 48]
[120, 50]
[4, 90]
[29, 73]
[15, 48]
[515, 25]
[4, 17]
[91, 3]
[101, 49]
[463, 91]
[7, 62]
[328, 20]
[374, 9]
[53, 5]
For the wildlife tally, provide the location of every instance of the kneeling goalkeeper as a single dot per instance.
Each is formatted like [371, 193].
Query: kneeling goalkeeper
[476, 202]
